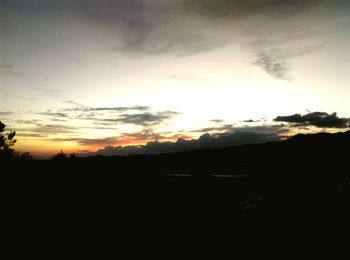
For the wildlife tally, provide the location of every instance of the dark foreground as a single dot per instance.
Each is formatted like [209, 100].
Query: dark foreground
[304, 178]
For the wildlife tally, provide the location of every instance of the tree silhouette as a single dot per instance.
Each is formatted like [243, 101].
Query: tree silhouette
[60, 156]
[6, 141]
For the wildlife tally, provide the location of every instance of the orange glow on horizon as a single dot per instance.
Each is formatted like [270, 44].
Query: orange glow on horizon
[41, 148]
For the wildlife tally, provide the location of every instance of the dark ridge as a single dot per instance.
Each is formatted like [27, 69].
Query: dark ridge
[306, 177]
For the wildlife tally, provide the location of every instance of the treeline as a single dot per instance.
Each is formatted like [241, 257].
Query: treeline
[8, 153]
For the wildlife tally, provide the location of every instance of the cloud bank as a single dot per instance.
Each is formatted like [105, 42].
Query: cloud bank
[237, 136]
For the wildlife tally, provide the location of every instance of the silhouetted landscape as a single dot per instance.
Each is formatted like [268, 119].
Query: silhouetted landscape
[174, 113]
[304, 176]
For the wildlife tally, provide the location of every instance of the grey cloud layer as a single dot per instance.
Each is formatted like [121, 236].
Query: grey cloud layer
[185, 27]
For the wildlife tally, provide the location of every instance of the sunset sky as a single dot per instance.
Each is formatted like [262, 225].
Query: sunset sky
[89, 75]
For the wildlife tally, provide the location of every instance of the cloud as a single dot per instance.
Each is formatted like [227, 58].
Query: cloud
[54, 114]
[145, 134]
[29, 135]
[89, 141]
[274, 60]
[237, 136]
[143, 119]
[6, 113]
[48, 92]
[217, 121]
[9, 72]
[109, 117]
[272, 63]
[219, 128]
[8, 69]
[136, 115]
[318, 119]
[53, 129]
[27, 122]
[147, 118]
[6, 66]
[183, 27]
[82, 108]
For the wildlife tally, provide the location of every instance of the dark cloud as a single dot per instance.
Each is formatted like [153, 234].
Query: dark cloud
[318, 119]
[147, 118]
[237, 136]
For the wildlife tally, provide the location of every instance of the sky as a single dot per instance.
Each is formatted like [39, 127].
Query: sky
[149, 76]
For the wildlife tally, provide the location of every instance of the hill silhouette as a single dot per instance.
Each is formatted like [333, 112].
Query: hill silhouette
[306, 175]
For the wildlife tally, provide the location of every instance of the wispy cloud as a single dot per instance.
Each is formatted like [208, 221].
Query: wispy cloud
[32, 135]
[27, 122]
[13, 73]
[217, 121]
[53, 129]
[133, 115]
[54, 114]
[219, 128]
[6, 66]
[145, 134]
[48, 92]
[82, 108]
[274, 57]
[89, 141]
[272, 63]
[9, 70]
[6, 113]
